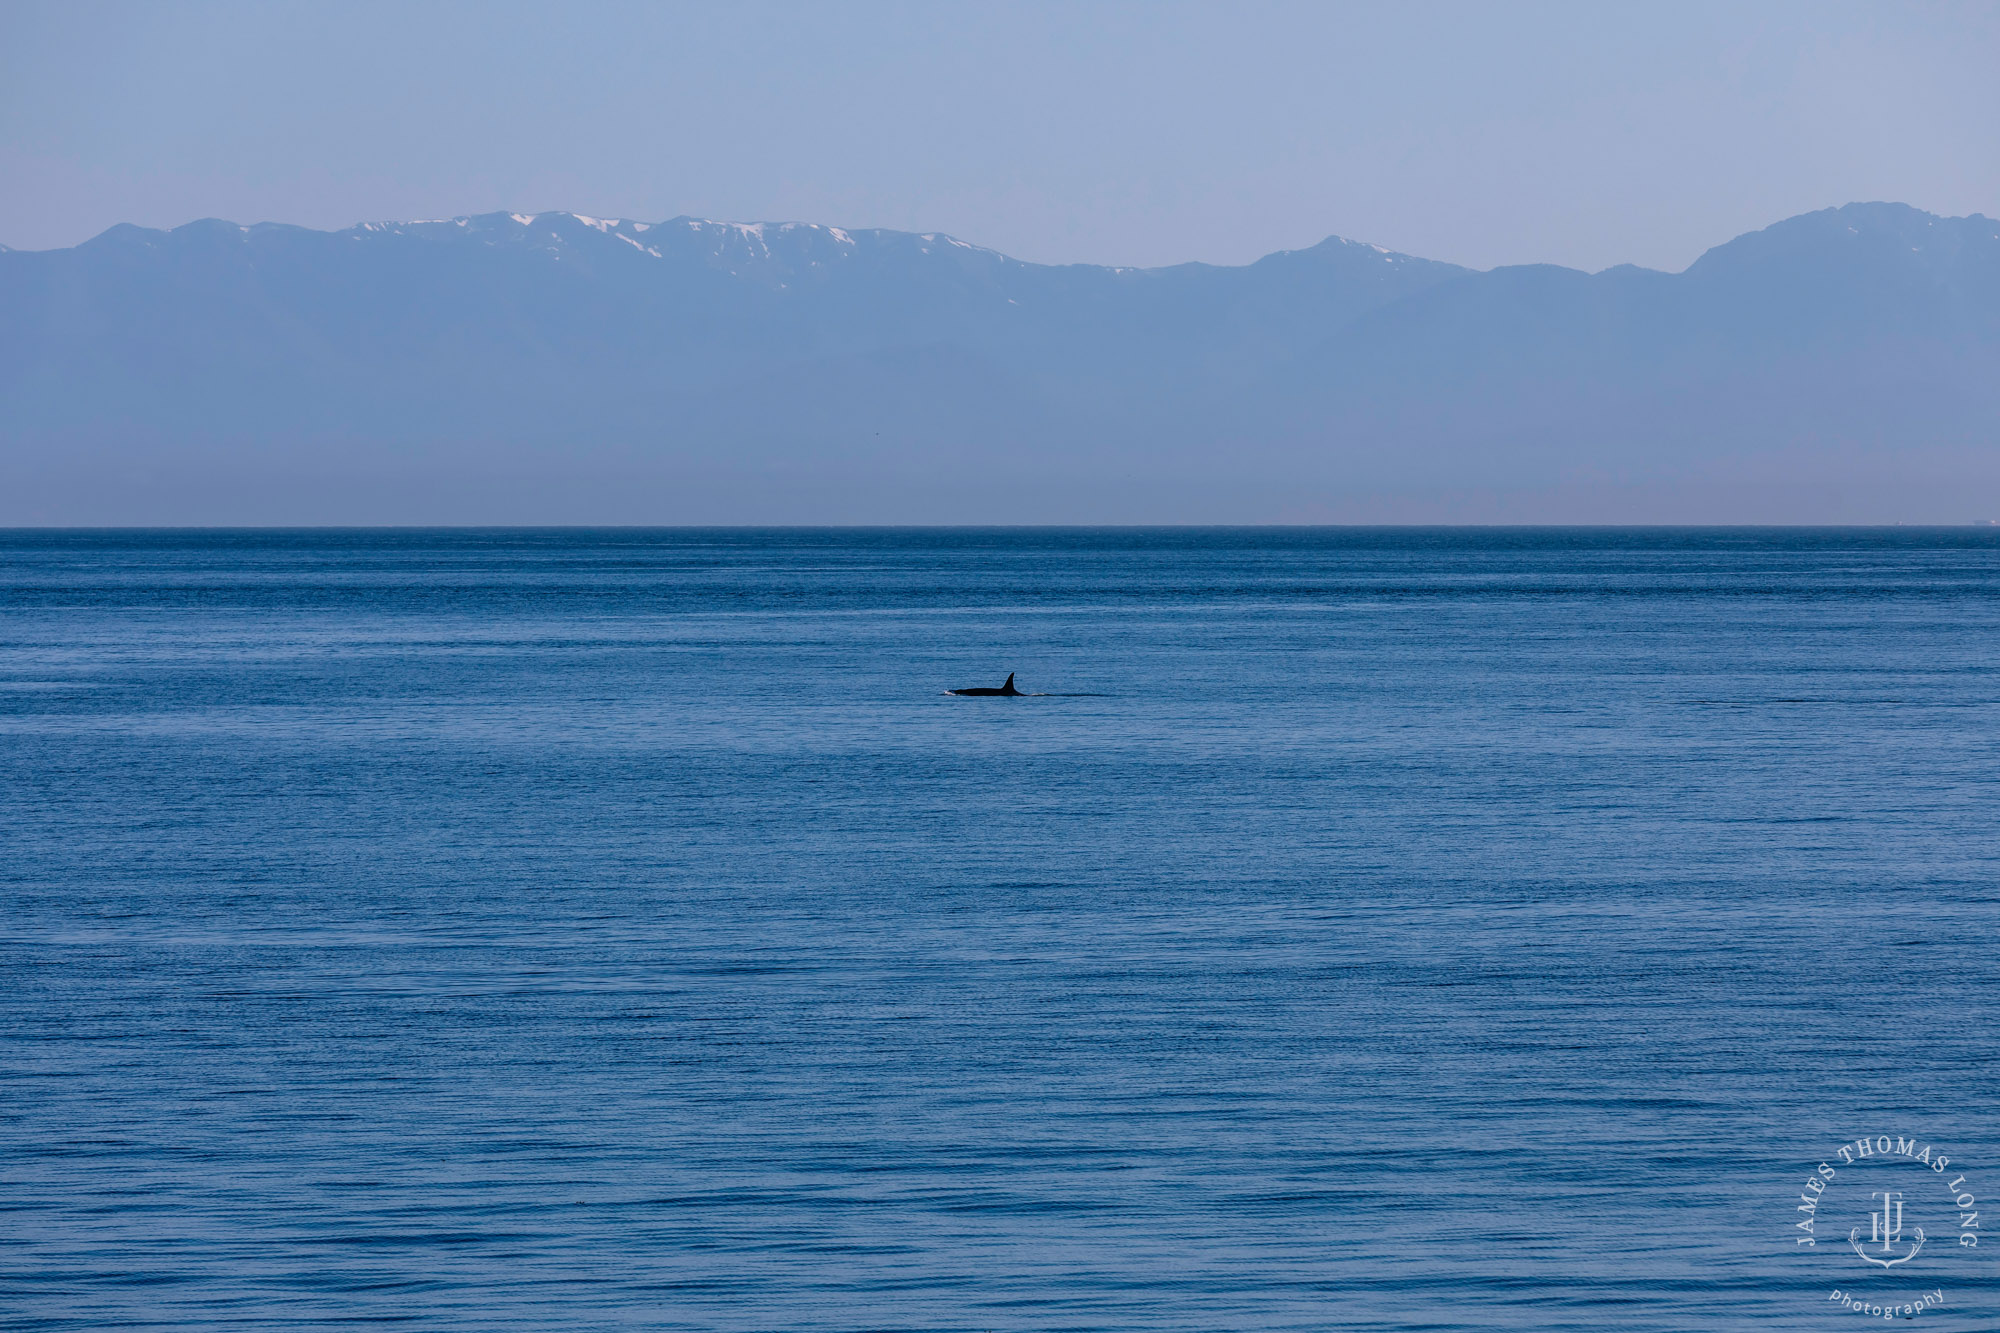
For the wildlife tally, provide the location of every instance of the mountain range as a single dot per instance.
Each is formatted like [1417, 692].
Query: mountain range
[1840, 366]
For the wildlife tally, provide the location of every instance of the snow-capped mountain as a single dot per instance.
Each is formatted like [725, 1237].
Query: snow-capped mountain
[481, 366]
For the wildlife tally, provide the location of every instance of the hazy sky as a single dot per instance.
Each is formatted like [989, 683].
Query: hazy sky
[1583, 134]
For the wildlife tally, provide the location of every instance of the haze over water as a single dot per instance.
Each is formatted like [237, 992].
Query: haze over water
[1399, 929]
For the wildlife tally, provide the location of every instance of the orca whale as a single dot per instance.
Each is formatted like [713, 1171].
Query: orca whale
[1005, 691]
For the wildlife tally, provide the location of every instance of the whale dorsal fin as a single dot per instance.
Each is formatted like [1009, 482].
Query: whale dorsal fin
[1010, 681]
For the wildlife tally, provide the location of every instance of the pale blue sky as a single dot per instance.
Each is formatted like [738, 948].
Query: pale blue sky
[1584, 134]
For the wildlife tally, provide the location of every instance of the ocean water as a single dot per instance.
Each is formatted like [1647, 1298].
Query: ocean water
[1402, 929]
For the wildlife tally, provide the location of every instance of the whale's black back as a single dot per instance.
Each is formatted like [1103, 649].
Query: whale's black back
[1005, 691]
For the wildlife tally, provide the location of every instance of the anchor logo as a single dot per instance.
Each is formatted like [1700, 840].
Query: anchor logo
[1886, 1228]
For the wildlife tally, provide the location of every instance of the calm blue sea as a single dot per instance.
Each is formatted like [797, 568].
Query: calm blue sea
[1400, 929]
